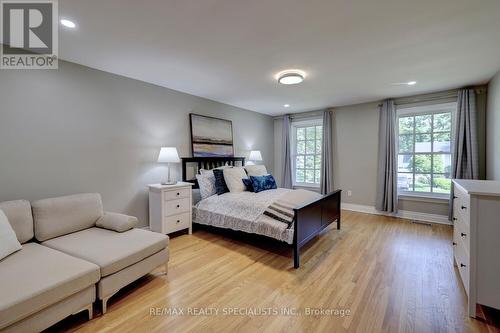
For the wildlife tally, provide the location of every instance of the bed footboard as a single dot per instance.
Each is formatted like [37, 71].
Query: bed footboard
[312, 218]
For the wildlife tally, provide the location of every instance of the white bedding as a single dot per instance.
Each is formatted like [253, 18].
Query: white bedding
[244, 211]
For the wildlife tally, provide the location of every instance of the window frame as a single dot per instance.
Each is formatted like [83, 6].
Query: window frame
[293, 148]
[430, 109]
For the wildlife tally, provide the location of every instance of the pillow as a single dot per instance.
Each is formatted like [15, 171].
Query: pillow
[263, 183]
[202, 171]
[206, 182]
[256, 170]
[8, 239]
[117, 222]
[220, 183]
[233, 178]
[248, 184]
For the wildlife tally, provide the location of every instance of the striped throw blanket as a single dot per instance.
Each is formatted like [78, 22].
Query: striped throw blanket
[281, 212]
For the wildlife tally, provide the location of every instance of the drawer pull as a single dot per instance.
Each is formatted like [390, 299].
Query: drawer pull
[455, 197]
[178, 206]
[454, 243]
[178, 221]
[454, 219]
[463, 235]
[463, 207]
[462, 265]
[178, 194]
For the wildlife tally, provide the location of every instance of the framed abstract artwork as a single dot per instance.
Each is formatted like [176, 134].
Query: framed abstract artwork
[211, 137]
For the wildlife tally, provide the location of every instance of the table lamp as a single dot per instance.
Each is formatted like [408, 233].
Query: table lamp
[168, 155]
[255, 156]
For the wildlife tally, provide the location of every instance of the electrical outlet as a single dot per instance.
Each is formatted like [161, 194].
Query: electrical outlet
[349, 193]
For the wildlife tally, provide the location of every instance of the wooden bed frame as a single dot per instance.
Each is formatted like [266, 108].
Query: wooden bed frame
[310, 218]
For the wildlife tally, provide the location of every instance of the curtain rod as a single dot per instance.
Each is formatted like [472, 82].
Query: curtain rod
[416, 100]
[434, 96]
[303, 115]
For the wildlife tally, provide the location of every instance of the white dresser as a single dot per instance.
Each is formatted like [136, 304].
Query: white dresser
[476, 240]
[170, 207]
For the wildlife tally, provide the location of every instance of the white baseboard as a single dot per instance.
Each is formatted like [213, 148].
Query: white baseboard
[403, 214]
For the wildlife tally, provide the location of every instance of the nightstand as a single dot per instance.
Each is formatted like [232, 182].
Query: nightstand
[170, 207]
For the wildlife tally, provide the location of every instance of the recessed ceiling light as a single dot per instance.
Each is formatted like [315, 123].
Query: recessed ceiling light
[412, 83]
[291, 76]
[286, 105]
[68, 23]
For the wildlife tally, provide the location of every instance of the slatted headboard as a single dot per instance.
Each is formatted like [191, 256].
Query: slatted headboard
[208, 163]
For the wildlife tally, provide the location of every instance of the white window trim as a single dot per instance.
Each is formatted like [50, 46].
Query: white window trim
[295, 124]
[427, 109]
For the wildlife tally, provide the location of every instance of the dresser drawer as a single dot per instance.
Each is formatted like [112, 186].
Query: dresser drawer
[177, 194]
[461, 234]
[461, 205]
[462, 260]
[174, 207]
[176, 222]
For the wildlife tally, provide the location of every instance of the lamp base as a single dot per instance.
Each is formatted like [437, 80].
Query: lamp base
[169, 183]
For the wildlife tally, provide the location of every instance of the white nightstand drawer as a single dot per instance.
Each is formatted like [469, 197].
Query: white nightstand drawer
[174, 207]
[177, 194]
[177, 222]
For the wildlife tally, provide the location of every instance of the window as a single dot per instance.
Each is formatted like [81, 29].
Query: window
[424, 149]
[307, 140]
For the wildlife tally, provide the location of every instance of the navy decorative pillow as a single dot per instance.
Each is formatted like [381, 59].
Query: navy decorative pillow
[248, 184]
[220, 183]
[263, 183]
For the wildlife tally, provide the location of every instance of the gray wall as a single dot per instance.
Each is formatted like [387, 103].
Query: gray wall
[356, 150]
[493, 129]
[78, 129]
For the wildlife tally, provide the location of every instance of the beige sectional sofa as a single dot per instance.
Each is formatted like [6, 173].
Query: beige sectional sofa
[66, 260]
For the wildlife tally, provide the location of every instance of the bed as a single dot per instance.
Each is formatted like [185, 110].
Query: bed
[244, 211]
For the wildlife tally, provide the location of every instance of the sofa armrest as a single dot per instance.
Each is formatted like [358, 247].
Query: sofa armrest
[117, 222]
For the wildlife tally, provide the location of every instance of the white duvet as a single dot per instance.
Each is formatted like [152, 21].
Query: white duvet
[243, 211]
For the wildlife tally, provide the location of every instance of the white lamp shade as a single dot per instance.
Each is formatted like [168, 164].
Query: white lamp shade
[168, 155]
[255, 155]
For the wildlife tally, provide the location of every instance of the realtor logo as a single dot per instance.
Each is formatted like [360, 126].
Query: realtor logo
[29, 34]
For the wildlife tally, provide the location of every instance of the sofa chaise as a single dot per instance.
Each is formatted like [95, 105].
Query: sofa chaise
[72, 252]
[40, 286]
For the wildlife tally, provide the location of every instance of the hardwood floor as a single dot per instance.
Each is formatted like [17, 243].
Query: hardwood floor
[380, 274]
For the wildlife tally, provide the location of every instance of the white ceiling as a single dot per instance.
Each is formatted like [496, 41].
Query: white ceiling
[229, 50]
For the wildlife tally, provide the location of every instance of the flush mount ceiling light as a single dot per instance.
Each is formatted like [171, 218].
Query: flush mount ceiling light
[411, 83]
[286, 105]
[68, 23]
[291, 76]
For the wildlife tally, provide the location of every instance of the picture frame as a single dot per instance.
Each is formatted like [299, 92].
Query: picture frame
[211, 136]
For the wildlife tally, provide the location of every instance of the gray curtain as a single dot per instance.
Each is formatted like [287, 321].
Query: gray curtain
[327, 154]
[286, 171]
[387, 179]
[465, 162]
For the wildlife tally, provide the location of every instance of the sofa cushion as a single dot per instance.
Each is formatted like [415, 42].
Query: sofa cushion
[112, 251]
[19, 214]
[61, 216]
[36, 277]
[8, 240]
[110, 284]
[116, 222]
